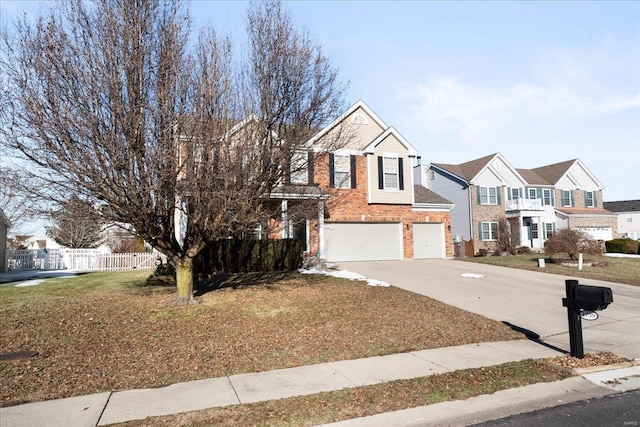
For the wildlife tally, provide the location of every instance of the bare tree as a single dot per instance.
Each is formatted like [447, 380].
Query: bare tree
[76, 224]
[17, 197]
[113, 104]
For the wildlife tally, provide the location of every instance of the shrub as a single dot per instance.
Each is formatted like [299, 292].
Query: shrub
[482, 253]
[524, 250]
[242, 256]
[571, 242]
[497, 252]
[165, 269]
[623, 246]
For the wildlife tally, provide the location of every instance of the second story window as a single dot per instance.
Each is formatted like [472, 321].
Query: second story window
[341, 171]
[488, 196]
[547, 197]
[590, 199]
[390, 173]
[567, 199]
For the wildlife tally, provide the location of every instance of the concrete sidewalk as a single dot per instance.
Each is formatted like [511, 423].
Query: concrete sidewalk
[114, 407]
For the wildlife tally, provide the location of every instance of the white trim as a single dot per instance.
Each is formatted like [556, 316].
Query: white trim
[350, 110]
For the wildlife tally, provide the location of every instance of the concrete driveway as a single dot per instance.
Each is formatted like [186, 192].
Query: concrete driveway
[526, 299]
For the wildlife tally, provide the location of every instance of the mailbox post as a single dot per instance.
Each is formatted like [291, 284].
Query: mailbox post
[582, 298]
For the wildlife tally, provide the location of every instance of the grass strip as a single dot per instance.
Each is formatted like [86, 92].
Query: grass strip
[368, 400]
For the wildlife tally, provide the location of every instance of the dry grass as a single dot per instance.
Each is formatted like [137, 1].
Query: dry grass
[363, 401]
[610, 269]
[107, 331]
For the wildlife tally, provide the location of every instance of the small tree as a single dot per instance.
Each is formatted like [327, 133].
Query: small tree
[571, 242]
[507, 238]
[76, 225]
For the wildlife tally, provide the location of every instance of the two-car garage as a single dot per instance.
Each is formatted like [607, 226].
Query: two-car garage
[380, 241]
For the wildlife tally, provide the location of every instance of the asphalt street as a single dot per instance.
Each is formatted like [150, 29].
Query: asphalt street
[615, 410]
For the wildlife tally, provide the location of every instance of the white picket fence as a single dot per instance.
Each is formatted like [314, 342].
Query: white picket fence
[79, 259]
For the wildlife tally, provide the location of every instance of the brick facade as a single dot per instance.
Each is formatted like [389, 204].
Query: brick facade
[351, 205]
[484, 213]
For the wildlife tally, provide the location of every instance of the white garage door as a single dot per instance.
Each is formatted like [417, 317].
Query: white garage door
[598, 233]
[363, 241]
[428, 240]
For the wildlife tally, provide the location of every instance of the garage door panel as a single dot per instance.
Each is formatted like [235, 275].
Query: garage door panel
[428, 240]
[598, 233]
[356, 241]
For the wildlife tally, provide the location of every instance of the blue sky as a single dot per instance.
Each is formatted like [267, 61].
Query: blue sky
[539, 82]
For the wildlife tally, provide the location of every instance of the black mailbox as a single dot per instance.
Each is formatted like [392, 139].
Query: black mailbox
[580, 298]
[591, 298]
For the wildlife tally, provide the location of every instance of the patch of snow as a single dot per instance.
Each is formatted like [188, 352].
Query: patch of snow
[613, 255]
[29, 283]
[343, 274]
[472, 275]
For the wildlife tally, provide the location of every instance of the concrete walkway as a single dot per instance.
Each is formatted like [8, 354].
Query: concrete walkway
[120, 406]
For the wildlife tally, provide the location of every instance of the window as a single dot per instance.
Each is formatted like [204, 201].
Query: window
[341, 171]
[533, 194]
[488, 230]
[488, 195]
[629, 218]
[549, 229]
[515, 193]
[590, 199]
[566, 198]
[298, 172]
[390, 172]
[534, 230]
[432, 174]
[547, 197]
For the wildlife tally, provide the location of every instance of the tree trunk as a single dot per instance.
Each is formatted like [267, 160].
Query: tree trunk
[184, 281]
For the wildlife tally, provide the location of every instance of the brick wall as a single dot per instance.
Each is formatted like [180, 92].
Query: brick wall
[484, 213]
[346, 204]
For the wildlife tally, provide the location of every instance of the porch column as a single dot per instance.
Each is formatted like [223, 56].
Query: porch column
[285, 219]
[321, 229]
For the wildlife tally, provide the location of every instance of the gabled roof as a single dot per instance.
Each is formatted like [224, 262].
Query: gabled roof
[552, 173]
[532, 177]
[369, 149]
[350, 110]
[469, 170]
[623, 206]
[422, 194]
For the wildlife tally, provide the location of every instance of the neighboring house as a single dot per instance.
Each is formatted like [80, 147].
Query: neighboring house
[367, 205]
[628, 213]
[535, 202]
[4, 226]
